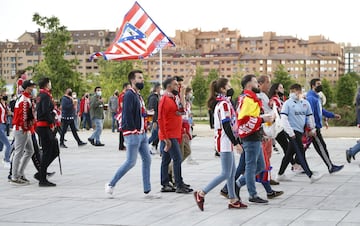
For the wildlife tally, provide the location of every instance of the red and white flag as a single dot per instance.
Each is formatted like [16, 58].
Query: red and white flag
[138, 38]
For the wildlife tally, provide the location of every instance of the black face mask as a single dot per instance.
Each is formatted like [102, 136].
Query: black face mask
[70, 93]
[175, 92]
[230, 92]
[139, 85]
[5, 98]
[86, 96]
[318, 88]
[280, 94]
[255, 90]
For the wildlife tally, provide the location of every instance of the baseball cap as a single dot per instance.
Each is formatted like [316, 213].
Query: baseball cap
[28, 83]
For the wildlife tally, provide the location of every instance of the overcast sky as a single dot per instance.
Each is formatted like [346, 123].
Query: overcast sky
[336, 20]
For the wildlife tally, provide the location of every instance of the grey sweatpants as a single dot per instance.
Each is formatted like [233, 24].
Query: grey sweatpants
[24, 149]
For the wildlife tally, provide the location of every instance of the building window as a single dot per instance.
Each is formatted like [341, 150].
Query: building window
[268, 62]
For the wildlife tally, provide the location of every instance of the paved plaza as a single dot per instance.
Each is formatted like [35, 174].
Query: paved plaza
[79, 199]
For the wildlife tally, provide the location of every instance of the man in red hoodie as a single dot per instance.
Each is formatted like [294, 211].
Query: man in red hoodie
[23, 127]
[170, 132]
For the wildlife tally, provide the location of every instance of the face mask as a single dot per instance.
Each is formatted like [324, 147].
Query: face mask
[70, 93]
[293, 96]
[87, 96]
[98, 93]
[175, 92]
[5, 98]
[255, 90]
[280, 94]
[139, 85]
[74, 96]
[230, 92]
[318, 88]
[161, 92]
[33, 93]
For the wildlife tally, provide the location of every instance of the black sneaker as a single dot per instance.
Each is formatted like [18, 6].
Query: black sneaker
[274, 194]
[99, 144]
[82, 143]
[183, 190]
[348, 156]
[168, 188]
[335, 168]
[258, 200]
[91, 141]
[63, 146]
[46, 184]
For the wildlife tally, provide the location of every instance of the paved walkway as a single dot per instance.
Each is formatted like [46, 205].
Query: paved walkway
[79, 197]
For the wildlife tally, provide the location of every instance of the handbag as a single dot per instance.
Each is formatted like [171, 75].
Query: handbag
[271, 130]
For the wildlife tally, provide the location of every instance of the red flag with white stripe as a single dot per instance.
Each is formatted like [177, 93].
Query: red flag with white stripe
[138, 38]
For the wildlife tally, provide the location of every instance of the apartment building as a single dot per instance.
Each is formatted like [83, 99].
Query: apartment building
[316, 57]
[26, 52]
[226, 51]
[352, 59]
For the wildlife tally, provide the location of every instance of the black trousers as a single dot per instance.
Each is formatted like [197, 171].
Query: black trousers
[121, 140]
[321, 148]
[295, 146]
[50, 148]
[36, 157]
[65, 124]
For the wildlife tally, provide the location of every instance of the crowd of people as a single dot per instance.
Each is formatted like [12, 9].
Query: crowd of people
[250, 124]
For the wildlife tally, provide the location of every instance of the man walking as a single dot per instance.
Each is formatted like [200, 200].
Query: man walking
[97, 116]
[170, 126]
[45, 127]
[23, 127]
[113, 107]
[318, 111]
[67, 118]
[134, 129]
[249, 122]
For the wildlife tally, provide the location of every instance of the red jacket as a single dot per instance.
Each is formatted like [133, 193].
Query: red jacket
[24, 113]
[170, 122]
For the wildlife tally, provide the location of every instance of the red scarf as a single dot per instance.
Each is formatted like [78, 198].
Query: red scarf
[253, 95]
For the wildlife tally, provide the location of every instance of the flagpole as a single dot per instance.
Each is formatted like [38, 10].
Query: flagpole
[160, 65]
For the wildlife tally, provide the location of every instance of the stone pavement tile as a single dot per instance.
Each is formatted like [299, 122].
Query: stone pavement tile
[320, 217]
[352, 218]
[275, 216]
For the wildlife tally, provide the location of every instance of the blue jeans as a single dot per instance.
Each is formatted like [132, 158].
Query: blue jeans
[98, 129]
[4, 141]
[175, 154]
[113, 122]
[136, 143]
[86, 119]
[254, 164]
[227, 173]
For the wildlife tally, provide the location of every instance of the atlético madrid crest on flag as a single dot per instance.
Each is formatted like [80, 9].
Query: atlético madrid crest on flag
[138, 37]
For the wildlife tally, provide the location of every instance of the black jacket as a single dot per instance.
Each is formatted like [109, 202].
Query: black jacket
[44, 108]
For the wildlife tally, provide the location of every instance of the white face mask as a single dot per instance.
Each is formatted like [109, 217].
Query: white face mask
[98, 93]
[34, 93]
[293, 96]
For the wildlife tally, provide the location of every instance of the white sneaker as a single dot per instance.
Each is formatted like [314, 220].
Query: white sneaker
[109, 190]
[282, 178]
[6, 164]
[152, 196]
[315, 177]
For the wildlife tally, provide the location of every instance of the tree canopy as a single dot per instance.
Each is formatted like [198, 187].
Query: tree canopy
[54, 65]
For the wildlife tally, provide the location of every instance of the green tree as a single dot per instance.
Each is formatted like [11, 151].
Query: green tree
[328, 92]
[200, 88]
[55, 46]
[213, 75]
[283, 77]
[345, 91]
